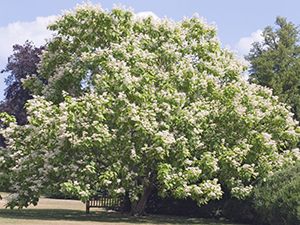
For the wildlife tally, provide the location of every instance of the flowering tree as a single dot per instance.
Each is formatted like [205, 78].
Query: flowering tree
[134, 103]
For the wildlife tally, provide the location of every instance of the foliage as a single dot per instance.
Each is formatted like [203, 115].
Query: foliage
[275, 62]
[277, 200]
[5, 120]
[21, 64]
[162, 104]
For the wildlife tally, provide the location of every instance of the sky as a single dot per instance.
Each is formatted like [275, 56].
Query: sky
[239, 22]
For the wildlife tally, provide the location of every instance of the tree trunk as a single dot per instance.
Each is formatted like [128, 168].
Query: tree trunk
[138, 208]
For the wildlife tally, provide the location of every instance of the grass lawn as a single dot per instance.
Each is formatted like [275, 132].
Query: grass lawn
[72, 212]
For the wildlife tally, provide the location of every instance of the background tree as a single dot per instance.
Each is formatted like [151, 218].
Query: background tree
[21, 64]
[145, 102]
[275, 62]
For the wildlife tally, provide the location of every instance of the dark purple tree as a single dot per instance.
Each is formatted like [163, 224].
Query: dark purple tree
[22, 63]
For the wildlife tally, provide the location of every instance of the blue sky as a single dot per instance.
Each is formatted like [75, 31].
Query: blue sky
[239, 22]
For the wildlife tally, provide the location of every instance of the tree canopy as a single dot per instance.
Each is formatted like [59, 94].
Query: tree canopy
[275, 62]
[21, 64]
[132, 103]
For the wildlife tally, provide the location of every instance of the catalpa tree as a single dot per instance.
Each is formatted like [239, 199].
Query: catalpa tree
[136, 103]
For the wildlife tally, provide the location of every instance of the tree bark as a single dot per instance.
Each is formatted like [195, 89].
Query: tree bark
[138, 208]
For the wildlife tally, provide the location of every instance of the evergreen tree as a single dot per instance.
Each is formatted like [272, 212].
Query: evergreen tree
[275, 62]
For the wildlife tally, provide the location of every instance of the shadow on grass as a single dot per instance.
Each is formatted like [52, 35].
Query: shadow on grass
[113, 217]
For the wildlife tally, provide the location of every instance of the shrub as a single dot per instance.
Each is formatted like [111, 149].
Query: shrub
[277, 200]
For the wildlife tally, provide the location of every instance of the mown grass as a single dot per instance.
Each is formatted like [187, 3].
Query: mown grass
[70, 212]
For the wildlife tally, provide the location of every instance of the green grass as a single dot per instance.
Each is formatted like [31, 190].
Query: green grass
[70, 212]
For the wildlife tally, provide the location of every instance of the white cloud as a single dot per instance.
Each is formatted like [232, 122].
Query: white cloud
[243, 46]
[142, 15]
[17, 33]
[245, 43]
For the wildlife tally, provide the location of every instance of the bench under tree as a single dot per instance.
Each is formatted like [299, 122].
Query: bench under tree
[103, 200]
